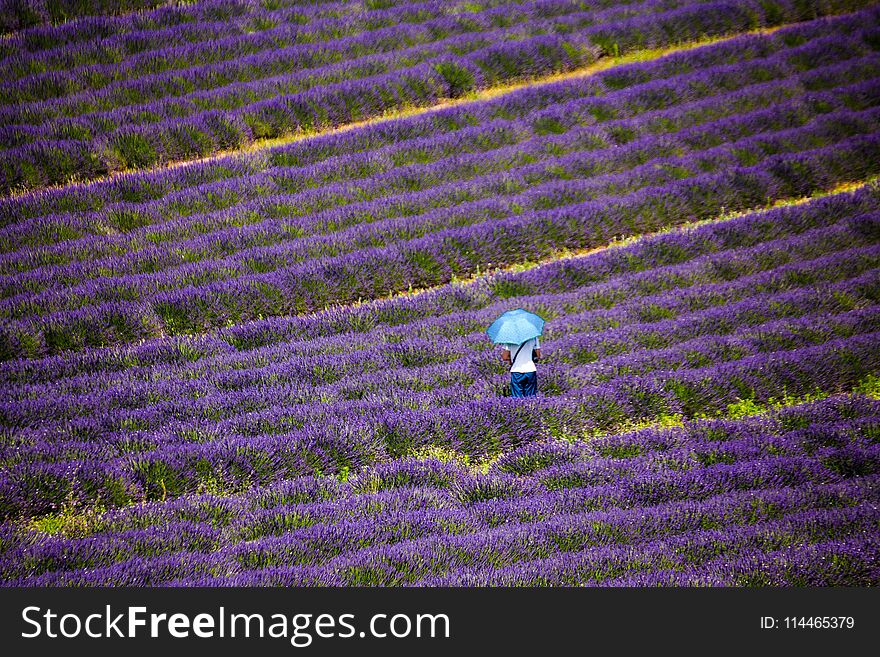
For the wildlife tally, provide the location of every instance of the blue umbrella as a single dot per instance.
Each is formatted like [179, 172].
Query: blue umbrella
[515, 327]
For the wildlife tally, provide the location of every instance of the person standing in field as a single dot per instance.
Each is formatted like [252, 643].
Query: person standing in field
[523, 372]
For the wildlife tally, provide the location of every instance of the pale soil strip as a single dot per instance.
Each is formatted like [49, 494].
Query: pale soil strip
[603, 64]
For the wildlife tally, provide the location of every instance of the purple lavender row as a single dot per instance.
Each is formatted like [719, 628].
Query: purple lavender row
[593, 529]
[136, 146]
[102, 551]
[638, 302]
[799, 40]
[272, 232]
[87, 104]
[247, 31]
[592, 347]
[213, 404]
[432, 557]
[403, 519]
[341, 217]
[31, 446]
[260, 67]
[92, 39]
[680, 296]
[28, 42]
[482, 427]
[153, 540]
[217, 64]
[554, 98]
[478, 428]
[457, 382]
[842, 458]
[706, 350]
[284, 365]
[837, 51]
[273, 443]
[421, 482]
[791, 258]
[611, 562]
[329, 172]
[256, 221]
[130, 217]
[344, 102]
[208, 570]
[411, 484]
[215, 71]
[841, 562]
[471, 503]
[658, 251]
[167, 112]
[31, 299]
[833, 422]
[518, 104]
[223, 387]
[27, 13]
[436, 258]
[338, 378]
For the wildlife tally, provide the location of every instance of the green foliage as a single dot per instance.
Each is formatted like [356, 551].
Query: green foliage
[506, 287]
[607, 44]
[176, 320]
[626, 451]
[603, 112]
[459, 79]
[744, 408]
[259, 128]
[547, 125]
[870, 386]
[397, 443]
[134, 150]
[654, 313]
[713, 457]
[72, 521]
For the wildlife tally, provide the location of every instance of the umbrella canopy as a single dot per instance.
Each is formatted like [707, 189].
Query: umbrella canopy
[515, 327]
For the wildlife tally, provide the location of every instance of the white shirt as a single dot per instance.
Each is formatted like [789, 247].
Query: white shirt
[524, 362]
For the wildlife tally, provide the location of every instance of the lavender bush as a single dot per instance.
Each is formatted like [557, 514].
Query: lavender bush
[83, 142]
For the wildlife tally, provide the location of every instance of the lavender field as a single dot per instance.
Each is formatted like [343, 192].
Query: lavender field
[266, 364]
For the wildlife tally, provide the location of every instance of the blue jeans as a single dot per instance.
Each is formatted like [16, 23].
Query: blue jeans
[523, 384]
